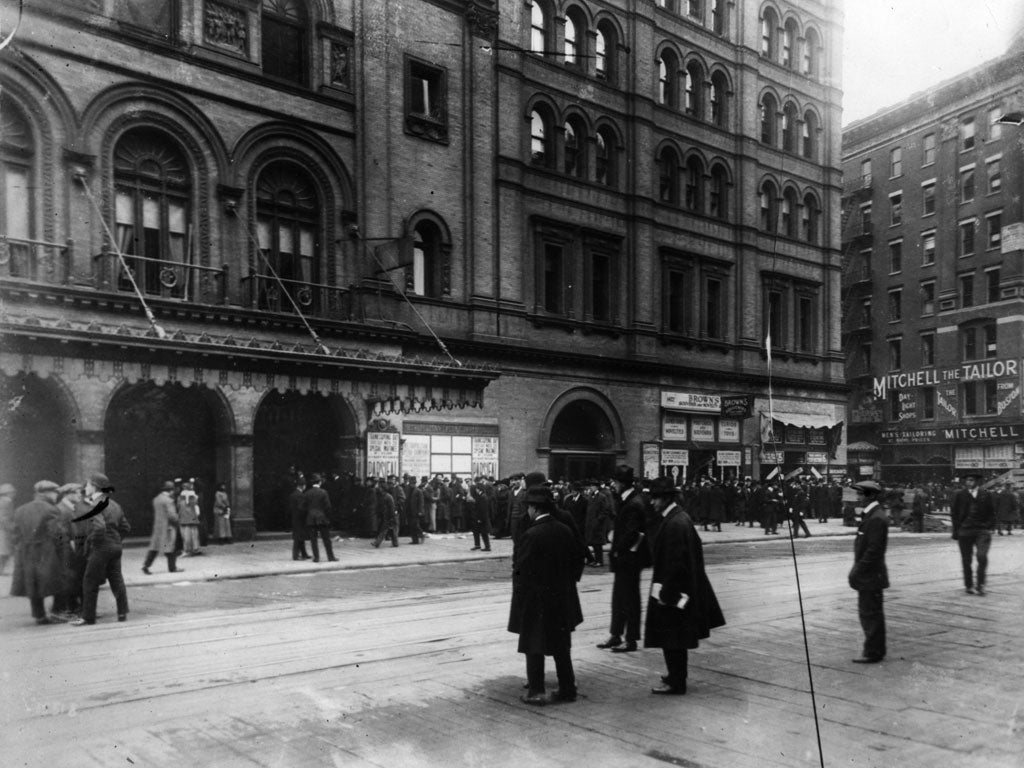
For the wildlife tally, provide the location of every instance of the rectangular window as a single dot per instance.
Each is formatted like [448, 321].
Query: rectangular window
[927, 349]
[928, 248]
[554, 278]
[713, 308]
[928, 298]
[981, 397]
[994, 230]
[775, 320]
[895, 257]
[928, 157]
[993, 285]
[425, 101]
[865, 219]
[971, 398]
[928, 402]
[895, 354]
[677, 301]
[865, 355]
[895, 305]
[994, 126]
[967, 290]
[967, 134]
[865, 173]
[966, 184]
[894, 406]
[896, 162]
[600, 287]
[991, 396]
[896, 208]
[994, 175]
[991, 348]
[928, 198]
[967, 238]
[695, 8]
[805, 324]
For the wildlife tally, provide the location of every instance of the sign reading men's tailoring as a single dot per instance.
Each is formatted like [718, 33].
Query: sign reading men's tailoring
[979, 433]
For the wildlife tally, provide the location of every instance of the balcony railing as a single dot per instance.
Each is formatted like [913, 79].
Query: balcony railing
[35, 260]
[316, 299]
[163, 278]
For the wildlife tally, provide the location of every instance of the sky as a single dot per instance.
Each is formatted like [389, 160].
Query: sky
[893, 48]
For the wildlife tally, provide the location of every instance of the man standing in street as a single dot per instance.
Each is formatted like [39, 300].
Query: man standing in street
[869, 575]
[682, 609]
[317, 506]
[36, 538]
[106, 530]
[480, 514]
[163, 538]
[973, 517]
[545, 605]
[628, 556]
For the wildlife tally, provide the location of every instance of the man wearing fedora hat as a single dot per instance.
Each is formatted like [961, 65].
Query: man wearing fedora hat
[973, 516]
[869, 575]
[36, 535]
[545, 605]
[682, 609]
[165, 530]
[107, 528]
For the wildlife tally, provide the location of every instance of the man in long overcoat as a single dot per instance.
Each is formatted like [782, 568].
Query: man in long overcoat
[682, 609]
[36, 536]
[869, 575]
[165, 524]
[545, 605]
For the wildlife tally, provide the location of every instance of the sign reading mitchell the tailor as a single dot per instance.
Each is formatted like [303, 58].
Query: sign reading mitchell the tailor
[932, 377]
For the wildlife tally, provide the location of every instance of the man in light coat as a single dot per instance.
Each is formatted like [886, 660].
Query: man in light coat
[165, 529]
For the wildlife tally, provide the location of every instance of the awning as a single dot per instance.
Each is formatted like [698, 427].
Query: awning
[862, 446]
[802, 420]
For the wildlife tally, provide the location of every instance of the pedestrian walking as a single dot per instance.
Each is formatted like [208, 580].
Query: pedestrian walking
[596, 522]
[413, 510]
[1007, 509]
[67, 604]
[627, 557]
[545, 605]
[386, 515]
[317, 506]
[682, 609]
[798, 504]
[36, 539]
[297, 516]
[7, 493]
[163, 539]
[107, 528]
[222, 515]
[869, 575]
[973, 517]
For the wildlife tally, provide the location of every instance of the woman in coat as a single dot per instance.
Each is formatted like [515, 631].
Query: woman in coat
[682, 609]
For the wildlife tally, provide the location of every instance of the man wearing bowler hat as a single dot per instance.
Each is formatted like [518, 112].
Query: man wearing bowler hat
[545, 605]
[973, 516]
[869, 575]
[682, 609]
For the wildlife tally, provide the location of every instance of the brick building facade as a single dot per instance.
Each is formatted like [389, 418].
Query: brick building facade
[452, 236]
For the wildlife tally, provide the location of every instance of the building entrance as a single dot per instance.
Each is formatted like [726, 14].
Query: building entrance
[582, 443]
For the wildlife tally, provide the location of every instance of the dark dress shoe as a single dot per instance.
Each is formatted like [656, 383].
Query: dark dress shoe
[536, 699]
[122, 617]
[611, 642]
[176, 570]
[669, 690]
[145, 570]
[332, 559]
[980, 589]
[561, 696]
[969, 590]
[627, 648]
[868, 660]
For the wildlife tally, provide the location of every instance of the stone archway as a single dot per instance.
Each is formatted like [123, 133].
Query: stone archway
[582, 436]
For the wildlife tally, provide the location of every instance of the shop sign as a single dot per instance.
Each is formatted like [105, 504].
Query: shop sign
[1007, 395]
[1011, 238]
[382, 454]
[737, 406]
[817, 457]
[672, 457]
[416, 455]
[728, 458]
[773, 457]
[908, 406]
[933, 377]
[651, 453]
[702, 428]
[866, 469]
[447, 428]
[728, 431]
[673, 427]
[995, 433]
[691, 401]
[947, 401]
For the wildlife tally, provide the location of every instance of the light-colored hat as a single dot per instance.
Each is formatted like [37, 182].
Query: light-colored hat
[45, 486]
[7, 490]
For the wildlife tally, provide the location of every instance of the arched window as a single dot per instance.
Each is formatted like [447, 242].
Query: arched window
[719, 92]
[668, 176]
[769, 34]
[694, 89]
[811, 45]
[769, 112]
[428, 260]
[605, 165]
[809, 142]
[287, 227]
[790, 204]
[540, 140]
[694, 198]
[575, 144]
[284, 40]
[668, 78]
[810, 218]
[789, 127]
[718, 17]
[717, 192]
[152, 189]
[538, 29]
[769, 207]
[575, 36]
[17, 206]
[605, 52]
[790, 36]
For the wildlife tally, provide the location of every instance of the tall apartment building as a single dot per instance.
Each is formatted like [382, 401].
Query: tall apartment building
[934, 281]
[445, 236]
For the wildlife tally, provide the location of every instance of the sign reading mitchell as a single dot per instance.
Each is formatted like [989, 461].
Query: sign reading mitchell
[931, 377]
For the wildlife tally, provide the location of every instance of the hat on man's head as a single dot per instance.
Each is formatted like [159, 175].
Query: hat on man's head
[540, 496]
[168, 485]
[7, 490]
[868, 487]
[624, 474]
[535, 479]
[662, 486]
[67, 488]
[101, 481]
[45, 486]
[975, 475]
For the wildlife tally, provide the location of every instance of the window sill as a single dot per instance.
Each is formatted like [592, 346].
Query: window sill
[427, 129]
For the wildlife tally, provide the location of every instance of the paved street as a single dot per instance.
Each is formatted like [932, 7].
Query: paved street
[407, 675]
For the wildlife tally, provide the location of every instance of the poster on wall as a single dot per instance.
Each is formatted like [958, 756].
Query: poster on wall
[728, 458]
[651, 456]
[673, 427]
[382, 454]
[702, 428]
[728, 431]
[485, 457]
[908, 406]
[947, 402]
[416, 455]
[1007, 396]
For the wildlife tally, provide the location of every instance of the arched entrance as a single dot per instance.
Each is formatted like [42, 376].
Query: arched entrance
[583, 437]
[157, 433]
[36, 434]
[310, 433]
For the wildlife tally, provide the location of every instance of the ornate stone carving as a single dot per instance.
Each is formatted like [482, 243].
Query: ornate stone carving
[226, 26]
[341, 56]
[483, 22]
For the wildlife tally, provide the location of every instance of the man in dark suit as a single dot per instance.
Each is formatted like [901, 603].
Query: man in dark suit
[973, 517]
[682, 609]
[317, 506]
[545, 605]
[628, 556]
[869, 575]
